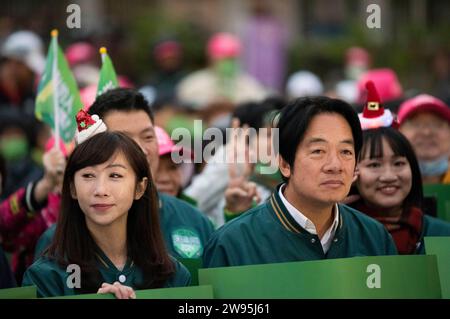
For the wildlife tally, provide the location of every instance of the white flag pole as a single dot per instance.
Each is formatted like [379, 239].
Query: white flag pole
[55, 81]
[103, 53]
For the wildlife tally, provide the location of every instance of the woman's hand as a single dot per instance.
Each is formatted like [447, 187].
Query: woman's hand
[119, 290]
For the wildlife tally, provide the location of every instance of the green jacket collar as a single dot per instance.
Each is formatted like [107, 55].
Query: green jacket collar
[276, 206]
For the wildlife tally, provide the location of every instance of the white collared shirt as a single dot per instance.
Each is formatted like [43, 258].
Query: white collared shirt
[308, 225]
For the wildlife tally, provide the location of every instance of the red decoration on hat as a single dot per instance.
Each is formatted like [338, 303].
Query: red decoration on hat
[84, 120]
[374, 115]
[373, 107]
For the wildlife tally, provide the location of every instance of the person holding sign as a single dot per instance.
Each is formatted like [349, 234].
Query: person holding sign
[320, 139]
[108, 238]
[389, 182]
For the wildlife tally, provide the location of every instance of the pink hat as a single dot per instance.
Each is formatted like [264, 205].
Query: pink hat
[88, 95]
[166, 145]
[125, 82]
[167, 49]
[223, 45]
[80, 52]
[420, 103]
[357, 56]
[385, 80]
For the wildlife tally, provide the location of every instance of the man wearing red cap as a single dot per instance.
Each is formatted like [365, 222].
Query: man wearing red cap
[425, 121]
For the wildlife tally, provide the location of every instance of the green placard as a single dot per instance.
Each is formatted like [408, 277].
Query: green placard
[193, 265]
[442, 193]
[387, 277]
[198, 292]
[440, 246]
[28, 292]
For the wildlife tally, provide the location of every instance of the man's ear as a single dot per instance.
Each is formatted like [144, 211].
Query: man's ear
[73, 191]
[285, 168]
[140, 188]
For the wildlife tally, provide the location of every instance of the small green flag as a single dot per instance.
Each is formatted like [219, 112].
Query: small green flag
[108, 78]
[58, 99]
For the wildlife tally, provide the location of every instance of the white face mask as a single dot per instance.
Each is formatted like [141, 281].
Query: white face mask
[434, 168]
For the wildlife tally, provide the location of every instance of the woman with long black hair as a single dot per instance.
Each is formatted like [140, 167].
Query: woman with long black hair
[108, 226]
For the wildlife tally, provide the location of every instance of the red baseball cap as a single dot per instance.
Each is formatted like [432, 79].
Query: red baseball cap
[422, 103]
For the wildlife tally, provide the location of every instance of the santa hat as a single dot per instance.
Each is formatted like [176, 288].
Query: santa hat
[88, 126]
[374, 115]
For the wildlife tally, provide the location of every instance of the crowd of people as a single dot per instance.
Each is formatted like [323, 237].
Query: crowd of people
[351, 162]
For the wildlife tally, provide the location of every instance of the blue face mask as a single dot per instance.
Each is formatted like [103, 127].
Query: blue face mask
[434, 168]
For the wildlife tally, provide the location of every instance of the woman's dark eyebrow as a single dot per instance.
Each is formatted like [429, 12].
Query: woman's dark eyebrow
[116, 165]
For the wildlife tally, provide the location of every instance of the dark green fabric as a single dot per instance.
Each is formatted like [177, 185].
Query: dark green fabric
[230, 216]
[432, 227]
[6, 276]
[185, 229]
[268, 234]
[188, 199]
[51, 279]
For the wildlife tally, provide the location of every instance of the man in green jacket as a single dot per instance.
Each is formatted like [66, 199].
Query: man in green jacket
[320, 139]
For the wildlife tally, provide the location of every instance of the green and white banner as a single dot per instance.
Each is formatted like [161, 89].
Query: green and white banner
[58, 99]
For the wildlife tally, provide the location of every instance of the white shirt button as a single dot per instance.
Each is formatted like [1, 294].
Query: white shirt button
[122, 278]
[313, 240]
[335, 240]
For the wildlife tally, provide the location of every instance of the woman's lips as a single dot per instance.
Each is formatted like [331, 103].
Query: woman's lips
[102, 207]
[388, 190]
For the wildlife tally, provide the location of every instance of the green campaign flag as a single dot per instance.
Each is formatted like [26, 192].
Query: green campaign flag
[108, 78]
[28, 292]
[198, 292]
[440, 246]
[58, 100]
[356, 278]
